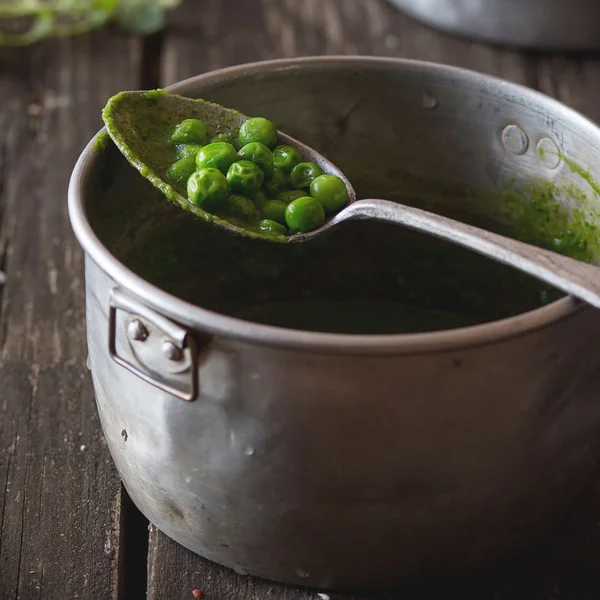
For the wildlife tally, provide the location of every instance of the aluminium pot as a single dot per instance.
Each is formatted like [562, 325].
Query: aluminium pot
[534, 24]
[337, 460]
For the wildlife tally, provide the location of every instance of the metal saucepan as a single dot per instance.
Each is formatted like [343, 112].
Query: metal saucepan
[536, 24]
[338, 460]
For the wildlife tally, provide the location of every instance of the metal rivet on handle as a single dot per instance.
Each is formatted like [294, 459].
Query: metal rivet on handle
[171, 351]
[136, 331]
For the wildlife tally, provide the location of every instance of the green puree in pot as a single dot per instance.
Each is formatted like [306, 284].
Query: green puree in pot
[398, 282]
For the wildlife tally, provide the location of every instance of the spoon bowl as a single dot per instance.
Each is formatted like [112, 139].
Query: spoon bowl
[140, 122]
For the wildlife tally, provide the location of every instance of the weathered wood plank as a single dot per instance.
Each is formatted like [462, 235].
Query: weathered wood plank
[59, 492]
[214, 34]
[218, 33]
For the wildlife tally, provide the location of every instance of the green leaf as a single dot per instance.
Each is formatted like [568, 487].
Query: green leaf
[24, 22]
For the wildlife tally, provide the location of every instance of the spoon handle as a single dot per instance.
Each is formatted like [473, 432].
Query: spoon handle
[574, 277]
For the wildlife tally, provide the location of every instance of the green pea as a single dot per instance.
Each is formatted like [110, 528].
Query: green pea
[330, 191]
[180, 171]
[291, 195]
[260, 199]
[268, 227]
[274, 210]
[207, 188]
[188, 150]
[303, 173]
[219, 155]
[223, 137]
[258, 153]
[304, 215]
[277, 182]
[244, 177]
[285, 158]
[241, 208]
[260, 130]
[190, 131]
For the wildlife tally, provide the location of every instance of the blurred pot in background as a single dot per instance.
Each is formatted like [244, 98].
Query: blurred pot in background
[535, 24]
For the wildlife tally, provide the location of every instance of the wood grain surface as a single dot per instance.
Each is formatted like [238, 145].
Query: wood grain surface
[59, 493]
[66, 528]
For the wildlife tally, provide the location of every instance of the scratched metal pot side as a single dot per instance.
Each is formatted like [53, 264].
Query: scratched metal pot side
[345, 461]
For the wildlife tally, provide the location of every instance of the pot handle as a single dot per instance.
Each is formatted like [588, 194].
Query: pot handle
[163, 348]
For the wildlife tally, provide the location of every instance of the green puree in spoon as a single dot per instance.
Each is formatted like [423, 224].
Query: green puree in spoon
[224, 167]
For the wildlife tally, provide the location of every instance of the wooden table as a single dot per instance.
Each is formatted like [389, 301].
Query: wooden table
[67, 528]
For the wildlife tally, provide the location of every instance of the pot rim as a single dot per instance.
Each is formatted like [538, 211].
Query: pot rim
[214, 323]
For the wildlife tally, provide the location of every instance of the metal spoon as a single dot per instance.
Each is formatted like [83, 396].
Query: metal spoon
[139, 124]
